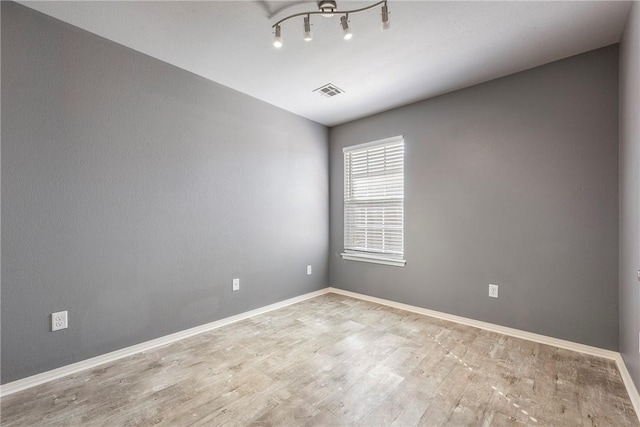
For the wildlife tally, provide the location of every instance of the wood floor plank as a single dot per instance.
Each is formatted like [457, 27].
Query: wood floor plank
[334, 360]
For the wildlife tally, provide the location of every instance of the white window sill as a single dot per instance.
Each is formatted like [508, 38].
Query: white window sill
[375, 259]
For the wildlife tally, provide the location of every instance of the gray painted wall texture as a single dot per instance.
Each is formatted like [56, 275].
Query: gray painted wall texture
[512, 182]
[630, 192]
[133, 192]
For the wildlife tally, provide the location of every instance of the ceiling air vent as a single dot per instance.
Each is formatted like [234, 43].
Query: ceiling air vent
[329, 90]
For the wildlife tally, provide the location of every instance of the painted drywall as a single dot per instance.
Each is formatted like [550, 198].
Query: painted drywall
[133, 192]
[630, 193]
[512, 182]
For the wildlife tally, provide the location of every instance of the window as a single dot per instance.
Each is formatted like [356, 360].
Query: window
[374, 202]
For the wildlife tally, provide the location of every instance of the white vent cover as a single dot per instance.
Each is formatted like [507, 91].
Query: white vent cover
[329, 90]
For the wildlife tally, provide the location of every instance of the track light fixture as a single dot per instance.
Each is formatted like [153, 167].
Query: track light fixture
[277, 41]
[345, 27]
[328, 8]
[385, 17]
[307, 29]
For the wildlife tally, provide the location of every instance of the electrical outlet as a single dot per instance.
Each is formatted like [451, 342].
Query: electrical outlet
[493, 291]
[59, 320]
[308, 270]
[236, 285]
[638, 273]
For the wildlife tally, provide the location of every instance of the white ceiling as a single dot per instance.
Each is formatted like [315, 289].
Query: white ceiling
[431, 48]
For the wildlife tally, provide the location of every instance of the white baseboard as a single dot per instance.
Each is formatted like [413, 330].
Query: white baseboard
[628, 382]
[542, 339]
[32, 381]
[74, 368]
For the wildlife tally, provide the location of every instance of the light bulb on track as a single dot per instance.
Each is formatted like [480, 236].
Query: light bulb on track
[277, 41]
[345, 28]
[385, 17]
[307, 29]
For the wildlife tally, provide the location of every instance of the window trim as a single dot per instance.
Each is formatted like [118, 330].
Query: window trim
[372, 257]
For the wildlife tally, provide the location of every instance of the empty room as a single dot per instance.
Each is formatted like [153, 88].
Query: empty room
[333, 213]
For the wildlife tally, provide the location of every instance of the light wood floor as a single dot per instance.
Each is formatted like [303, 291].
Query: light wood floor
[334, 360]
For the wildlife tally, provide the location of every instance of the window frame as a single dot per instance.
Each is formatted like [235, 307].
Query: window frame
[351, 254]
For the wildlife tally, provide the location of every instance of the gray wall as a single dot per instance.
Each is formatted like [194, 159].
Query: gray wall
[630, 193]
[133, 192]
[512, 182]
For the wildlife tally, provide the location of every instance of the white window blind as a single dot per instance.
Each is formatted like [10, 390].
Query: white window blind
[374, 199]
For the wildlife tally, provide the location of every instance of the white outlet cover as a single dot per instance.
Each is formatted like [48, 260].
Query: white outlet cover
[308, 269]
[236, 285]
[493, 291]
[59, 320]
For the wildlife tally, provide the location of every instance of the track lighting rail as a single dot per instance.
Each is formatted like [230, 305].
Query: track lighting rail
[328, 9]
[334, 12]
